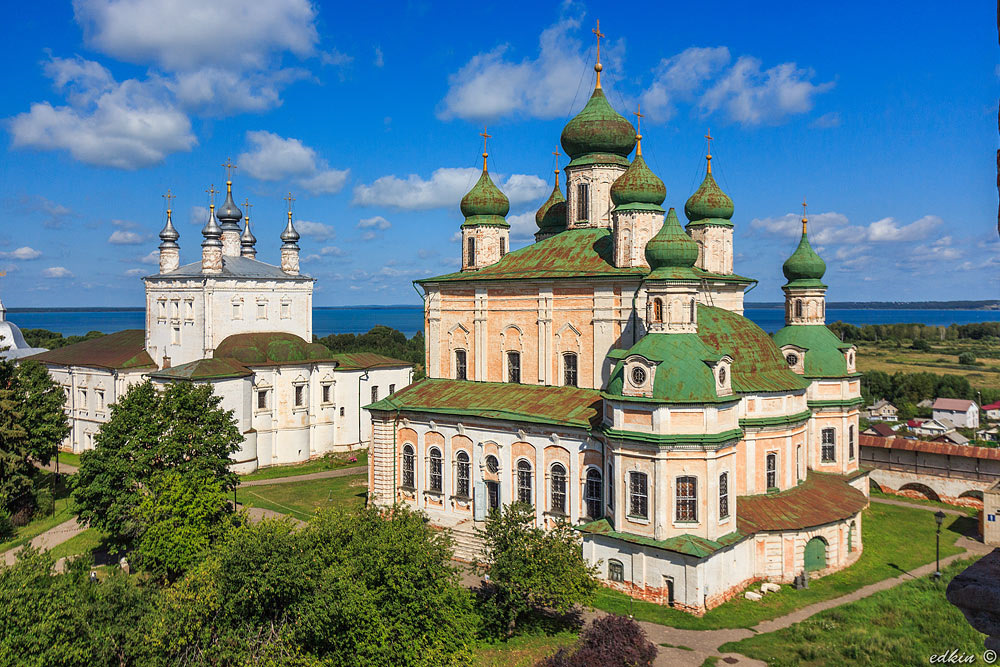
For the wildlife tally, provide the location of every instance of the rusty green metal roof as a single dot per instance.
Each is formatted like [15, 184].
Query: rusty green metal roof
[269, 348]
[709, 204]
[119, 351]
[562, 406]
[824, 357]
[598, 131]
[552, 214]
[353, 361]
[821, 498]
[484, 204]
[638, 185]
[691, 545]
[683, 374]
[204, 369]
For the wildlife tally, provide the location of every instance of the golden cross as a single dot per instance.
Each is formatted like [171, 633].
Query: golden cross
[211, 194]
[805, 218]
[708, 156]
[485, 136]
[247, 205]
[597, 31]
[229, 169]
[638, 129]
[169, 197]
[289, 199]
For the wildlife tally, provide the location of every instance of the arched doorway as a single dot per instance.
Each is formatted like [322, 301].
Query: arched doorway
[917, 490]
[815, 556]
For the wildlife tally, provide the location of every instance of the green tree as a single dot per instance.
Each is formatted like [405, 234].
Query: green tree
[921, 345]
[43, 417]
[967, 358]
[180, 428]
[530, 569]
[182, 515]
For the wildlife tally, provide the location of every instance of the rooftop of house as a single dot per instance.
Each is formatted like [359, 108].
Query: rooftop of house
[232, 267]
[356, 361]
[954, 437]
[992, 406]
[825, 353]
[204, 369]
[923, 446]
[882, 429]
[118, 351]
[952, 404]
[691, 545]
[821, 498]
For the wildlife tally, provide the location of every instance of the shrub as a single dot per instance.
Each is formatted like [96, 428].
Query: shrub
[609, 640]
[967, 358]
[6, 526]
[44, 502]
[921, 344]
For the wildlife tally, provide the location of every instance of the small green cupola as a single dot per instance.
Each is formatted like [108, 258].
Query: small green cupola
[671, 253]
[551, 217]
[804, 268]
[709, 205]
[485, 204]
[638, 188]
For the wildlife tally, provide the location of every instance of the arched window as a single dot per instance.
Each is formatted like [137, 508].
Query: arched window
[828, 447]
[592, 494]
[616, 571]
[771, 468]
[798, 463]
[611, 485]
[514, 367]
[850, 442]
[471, 243]
[409, 467]
[687, 498]
[492, 465]
[724, 495]
[798, 308]
[569, 369]
[524, 482]
[638, 495]
[657, 310]
[583, 201]
[557, 487]
[461, 369]
[436, 480]
[462, 475]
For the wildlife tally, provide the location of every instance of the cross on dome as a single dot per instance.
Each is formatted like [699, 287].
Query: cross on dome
[638, 128]
[229, 169]
[708, 155]
[598, 66]
[289, 199]
[557, 154]
[805, 218]
[211, 195]
[169, 197]
[485, 136]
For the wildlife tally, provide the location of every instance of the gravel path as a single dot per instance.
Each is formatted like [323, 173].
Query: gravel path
[342, 472]
[49, 539]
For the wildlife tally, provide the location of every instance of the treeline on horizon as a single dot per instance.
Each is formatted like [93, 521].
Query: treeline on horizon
[989, 304]
[914, 331]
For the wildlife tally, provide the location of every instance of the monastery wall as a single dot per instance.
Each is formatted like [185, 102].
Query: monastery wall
[780, 555]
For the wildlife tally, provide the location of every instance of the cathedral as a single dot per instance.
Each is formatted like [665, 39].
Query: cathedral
[606, 375]
[243, 326]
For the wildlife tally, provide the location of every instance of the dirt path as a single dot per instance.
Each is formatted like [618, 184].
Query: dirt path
[49, 539]
[342, 472]
[916, 506]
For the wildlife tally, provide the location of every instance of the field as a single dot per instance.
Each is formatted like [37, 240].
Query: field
[905, 625]
[322, 464]
[941, 359]
[303, 499]
[896, 539]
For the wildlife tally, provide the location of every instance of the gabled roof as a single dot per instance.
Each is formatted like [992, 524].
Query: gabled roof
[351, 361]
[882, 429]
[824, 356]
[232, 267]
[204, 369]
[992, 406]
[118, 351]
[952, 404]
[953, 437]
[821, 498]
[562, 406]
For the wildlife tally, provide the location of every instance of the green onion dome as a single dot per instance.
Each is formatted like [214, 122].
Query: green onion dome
[804, 267]
[484, 204]
[638, 185]
[599, 129]
[671, 252]
[552, 215]
[709, 203]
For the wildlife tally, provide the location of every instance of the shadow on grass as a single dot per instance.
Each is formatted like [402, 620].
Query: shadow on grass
[537, 621]
[966, 526]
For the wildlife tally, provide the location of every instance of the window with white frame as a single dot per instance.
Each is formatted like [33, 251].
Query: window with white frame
[300, 395]
[99, 394]
[162, 308]
[189, 309]
[524, 482]
[514, 367]
[286, 309]
[463, 475]
[771, 470]
[616, 570]
[261, 310]
[582, 201]
[435, 480]
[850, 442]
[175, 309]
[471, 251]
[724, 495]
[592, 495]
[262, 399]
[392, 389]
[569, 369]
[409, 467]
[687, 498]
[638, 495]
[374, 393]
[83, 400]
[237, 310]
[828, 447]
[557, 487]
[175, 335]
[461, 371]
[611, 485]
[798, 463]
[327, 392]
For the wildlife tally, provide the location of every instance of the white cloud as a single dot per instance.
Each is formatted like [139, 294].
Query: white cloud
[199, 215]
[679, 77]
[212, 91]
[22, 253]
[377, 222]
[379, 57]
[331, 251]
[752, 97]
[57, 272]
[522, 226]
[122, 237]
[152, 258]
[316, 230]
[125, 125]
[55, 214]
[446, 187]
[135, 272]
[275, 158]
[835, 228]
[888, 229]
[827, 120]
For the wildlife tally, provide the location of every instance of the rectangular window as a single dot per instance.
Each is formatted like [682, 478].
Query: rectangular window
[300, 395]
[286, 309]
[611, 485]
[392, 389]
[829, 447]
[162, 308]
[798, 463]
[724, 495]
[175, 335]
[461, 372]
[471, 253]
[850, 442]
[100, 399]
[326, 393]
[503, 246]
[189, 309]
[83, 400]
[262, 399]
[638, 495]
[687, 498]
[237, 310]
[262, 310]
[514, 367]
[771, 468]
[175, 309]
[582, 201]
[374, 394]
[569, 370]
[463, 475]
[341, 412]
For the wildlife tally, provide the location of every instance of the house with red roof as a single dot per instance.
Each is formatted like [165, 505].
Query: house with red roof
[992, 410]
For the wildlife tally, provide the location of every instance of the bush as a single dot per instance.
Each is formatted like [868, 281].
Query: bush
[44, 502]
[6, 526]
[608, 641]
[921, 344]
[967, 359]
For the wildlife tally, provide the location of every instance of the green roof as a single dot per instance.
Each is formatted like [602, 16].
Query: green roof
[682, 373]
[119, 351]
[552, 214]
[709, 204]
[821, 498]
[204, 369]
[354, 361]
[804, 268]
[540, 404]
[484, 204]
[268, 348]
[824, 356]
[638, 185]
[671, 253]
[691, 545]
[598, 131]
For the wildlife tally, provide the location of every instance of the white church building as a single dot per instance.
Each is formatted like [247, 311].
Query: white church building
[245, 327]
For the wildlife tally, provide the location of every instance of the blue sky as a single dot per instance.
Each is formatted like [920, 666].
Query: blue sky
[884, 120]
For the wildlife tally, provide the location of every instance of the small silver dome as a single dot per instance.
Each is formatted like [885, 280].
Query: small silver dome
[211, 231]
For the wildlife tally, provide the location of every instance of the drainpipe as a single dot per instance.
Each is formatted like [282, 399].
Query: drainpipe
[363, 378]
[634, 316]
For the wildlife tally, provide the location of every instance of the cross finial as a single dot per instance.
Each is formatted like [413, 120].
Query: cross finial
[485, 136]
[289, 199]
[229, 169]
[708, 155]
[169, 197]
[805, 218]
[638, 128]
[211, 195]
[247, 205]
[598, 66]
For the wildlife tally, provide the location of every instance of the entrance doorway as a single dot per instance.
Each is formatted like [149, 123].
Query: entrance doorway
[668, 585]
[493, 495]
[815, 556]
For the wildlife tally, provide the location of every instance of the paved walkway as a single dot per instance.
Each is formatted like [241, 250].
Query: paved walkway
[342, 472]
[49, 538]
[916, 506]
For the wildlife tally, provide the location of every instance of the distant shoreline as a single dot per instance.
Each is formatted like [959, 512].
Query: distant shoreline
[831, 305]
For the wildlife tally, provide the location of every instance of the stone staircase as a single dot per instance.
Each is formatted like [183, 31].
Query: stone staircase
[467, 545]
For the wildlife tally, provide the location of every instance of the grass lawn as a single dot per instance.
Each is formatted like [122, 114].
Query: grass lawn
[302, 499]
[322, 464]
[68, 458]
[40, 524]
[971, 511]
[86, 542]
[905, 625]
[521, 651]
[896, 539]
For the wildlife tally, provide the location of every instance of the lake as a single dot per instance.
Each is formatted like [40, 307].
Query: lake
[410, 319]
